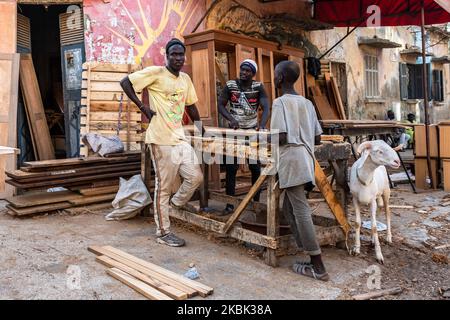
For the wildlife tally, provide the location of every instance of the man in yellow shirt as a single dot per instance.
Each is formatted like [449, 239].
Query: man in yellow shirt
[171, 92]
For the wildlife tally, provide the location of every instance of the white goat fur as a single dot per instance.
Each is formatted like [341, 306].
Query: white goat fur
[369, 185]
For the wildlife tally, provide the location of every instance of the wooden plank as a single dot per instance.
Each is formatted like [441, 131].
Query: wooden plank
[236, 214]
[92, 199]
[105, 76]
[155, 283]
[102, 251]
[201, 288]
[139, 286]
[421, 173]
[337, 96]
[377, 293]
[103, 125]
[103, 86]
[101, 96]
[39, 209]
[22, 176]
[327, 192]
[42, 198]
[35, 109]
[446, 174]
[108, 106]
[273, 216]
[444, 141]
[67, 182]
[8, 23]
[98, 191]
[217, 226]
[112, 116]
[106, 67]
[66, 162]
[9, 73]
[323, 107]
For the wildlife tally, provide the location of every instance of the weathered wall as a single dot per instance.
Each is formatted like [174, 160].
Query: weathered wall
[124, 31]
[352, 54]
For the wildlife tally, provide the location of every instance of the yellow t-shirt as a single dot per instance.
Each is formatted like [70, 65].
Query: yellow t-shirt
[169, 95]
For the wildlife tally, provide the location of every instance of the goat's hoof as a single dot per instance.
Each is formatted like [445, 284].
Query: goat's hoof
[380, 260]
[389, 239]
[355, 251]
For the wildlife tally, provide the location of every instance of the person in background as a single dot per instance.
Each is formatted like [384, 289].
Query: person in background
[400, 138]
[245, 96]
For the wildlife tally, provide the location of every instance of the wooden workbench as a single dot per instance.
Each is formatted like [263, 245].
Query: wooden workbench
[329, 231]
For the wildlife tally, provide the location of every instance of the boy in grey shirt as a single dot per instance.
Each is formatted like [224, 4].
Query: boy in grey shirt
[296, 119]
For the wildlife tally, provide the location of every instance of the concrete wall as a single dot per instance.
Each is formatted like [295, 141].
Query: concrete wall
[353, 54]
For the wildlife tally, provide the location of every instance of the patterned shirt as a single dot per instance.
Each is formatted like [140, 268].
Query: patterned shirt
[243, 103]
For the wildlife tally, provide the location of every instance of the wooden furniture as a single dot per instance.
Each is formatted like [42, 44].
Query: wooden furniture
[214, 56]
[446, 174]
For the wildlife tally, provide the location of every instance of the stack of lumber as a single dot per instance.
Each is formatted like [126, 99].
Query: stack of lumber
[90, 180]
[326, 98]
[100, 105]
[150, 280]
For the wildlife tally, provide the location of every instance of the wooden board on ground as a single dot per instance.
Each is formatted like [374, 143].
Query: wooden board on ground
[35, 109]
[39, 209]
[164, 288]
[42, 198]
[137, 285]
[154, 275]
[202, 289]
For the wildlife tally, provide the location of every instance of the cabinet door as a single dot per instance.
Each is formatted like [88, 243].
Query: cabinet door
[299, 85]
[72, 56]
[242, 53]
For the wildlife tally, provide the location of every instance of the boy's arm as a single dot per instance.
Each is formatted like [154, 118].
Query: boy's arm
[223, 100]
[127, 87]
[264, 101]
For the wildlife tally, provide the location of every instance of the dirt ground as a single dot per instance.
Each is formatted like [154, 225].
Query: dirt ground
[41, 256]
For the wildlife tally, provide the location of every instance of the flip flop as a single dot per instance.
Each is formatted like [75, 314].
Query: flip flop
[307, 269]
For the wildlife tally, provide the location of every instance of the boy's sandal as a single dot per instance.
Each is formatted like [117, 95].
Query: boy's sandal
[307, 269]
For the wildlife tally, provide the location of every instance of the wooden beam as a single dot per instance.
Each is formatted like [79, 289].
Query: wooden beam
[237, 213]
[327, 191]
[155, 283]
[273, 217]
[137, 285]
[217, 226]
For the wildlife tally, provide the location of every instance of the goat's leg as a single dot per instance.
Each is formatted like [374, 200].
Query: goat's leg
[357, 245]
[386, 196]
[373, 209]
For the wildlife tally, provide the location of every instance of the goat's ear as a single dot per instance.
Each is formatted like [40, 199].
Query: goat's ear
[364, 146]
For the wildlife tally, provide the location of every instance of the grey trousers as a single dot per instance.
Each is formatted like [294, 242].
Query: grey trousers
[298, 213]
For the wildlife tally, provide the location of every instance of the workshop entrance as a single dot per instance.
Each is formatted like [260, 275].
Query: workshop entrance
[51, 37]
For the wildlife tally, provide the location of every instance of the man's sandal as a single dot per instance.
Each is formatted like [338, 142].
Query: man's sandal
[307, 269]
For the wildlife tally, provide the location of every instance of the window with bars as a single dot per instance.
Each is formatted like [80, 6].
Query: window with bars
[371, 76]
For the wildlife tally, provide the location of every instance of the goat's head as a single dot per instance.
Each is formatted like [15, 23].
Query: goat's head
[380, 153]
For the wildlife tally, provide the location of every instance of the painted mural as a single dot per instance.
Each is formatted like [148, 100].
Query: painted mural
[125, 31]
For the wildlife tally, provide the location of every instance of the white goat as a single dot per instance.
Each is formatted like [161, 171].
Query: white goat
[369, 185]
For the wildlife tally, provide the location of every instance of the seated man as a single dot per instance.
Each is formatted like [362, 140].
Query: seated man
[399, 137]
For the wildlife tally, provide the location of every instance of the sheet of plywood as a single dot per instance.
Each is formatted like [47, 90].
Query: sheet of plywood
[421, 172]
[420, 141]
[9, 73]
[39, 209]
[35, 109]
[42, 198]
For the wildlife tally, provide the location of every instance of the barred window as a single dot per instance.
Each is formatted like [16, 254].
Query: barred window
[371, 74]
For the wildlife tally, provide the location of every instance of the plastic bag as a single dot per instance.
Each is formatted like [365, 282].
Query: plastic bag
[131, 198]
[103, 145]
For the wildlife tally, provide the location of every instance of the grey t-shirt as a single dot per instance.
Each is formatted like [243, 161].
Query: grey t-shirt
[296, 116]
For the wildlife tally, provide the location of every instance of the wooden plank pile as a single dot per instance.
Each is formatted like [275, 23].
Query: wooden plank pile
[150, 280]
[90, 180]
[101, 110]
[326, 98]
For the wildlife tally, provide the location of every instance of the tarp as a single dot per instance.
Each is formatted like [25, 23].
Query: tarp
[344, 13]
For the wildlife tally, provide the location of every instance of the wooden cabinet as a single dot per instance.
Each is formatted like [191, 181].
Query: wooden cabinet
[209, 72]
